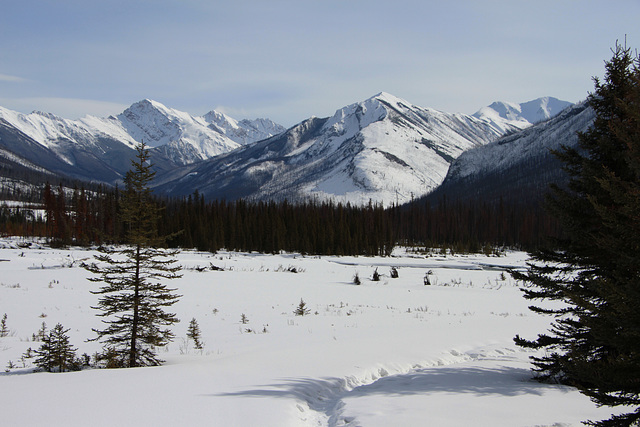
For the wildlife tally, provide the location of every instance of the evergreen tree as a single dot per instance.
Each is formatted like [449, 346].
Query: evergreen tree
[42, 332]
[302, 309]
[244, 319]
[193, 333]
[56, 354]
[356, 279]
[132, 301]
[4, 330]
[594, 343]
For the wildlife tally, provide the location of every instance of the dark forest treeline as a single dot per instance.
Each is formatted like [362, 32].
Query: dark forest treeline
[63, 216]
[81, 216]
[473, 225]
[311, 227]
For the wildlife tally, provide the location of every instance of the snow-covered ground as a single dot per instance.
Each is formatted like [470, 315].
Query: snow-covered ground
[387, 353]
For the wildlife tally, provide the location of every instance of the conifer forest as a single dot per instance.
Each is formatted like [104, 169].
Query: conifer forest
[90, 217]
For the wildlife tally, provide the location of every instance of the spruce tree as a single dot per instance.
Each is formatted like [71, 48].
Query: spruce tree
[56, 354]
[4, 330]
[193, 333]
[302, 309]
[132, 301]
[594, 270]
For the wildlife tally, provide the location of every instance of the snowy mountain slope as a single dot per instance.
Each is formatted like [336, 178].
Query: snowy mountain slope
[542, 109]
[15, 166]
[183, 138]
[62, 157]
[186, 139]
[520, 164]
[49, 130]
[180, 137]
[382, 149]
[521, 115]
[244, 131]
[100, 149]
[19, 176]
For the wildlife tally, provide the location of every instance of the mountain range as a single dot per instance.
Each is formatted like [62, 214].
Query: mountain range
[99, 149]
[519, 166]
[383, 149]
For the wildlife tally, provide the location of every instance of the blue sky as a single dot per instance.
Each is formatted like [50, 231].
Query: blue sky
[292, 59]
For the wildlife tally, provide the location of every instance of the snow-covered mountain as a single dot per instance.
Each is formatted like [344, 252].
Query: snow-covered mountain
[521, 115]
[180, 136]
[382, 149]
[517, 166]
[103, 146]
[40, 139]
[244, 131]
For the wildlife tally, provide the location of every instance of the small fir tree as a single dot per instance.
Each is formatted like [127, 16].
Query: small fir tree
[302, 309]
[356, 279]
[193, 333]
[28, 354]
[56, 353]
[4, 330]
[132, 300]
[42, 332]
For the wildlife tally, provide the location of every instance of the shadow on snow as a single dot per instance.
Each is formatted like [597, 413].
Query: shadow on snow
[326, 395]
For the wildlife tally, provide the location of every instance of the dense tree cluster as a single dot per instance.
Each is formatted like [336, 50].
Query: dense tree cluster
[335, 228]
[311, 227]
[81, 216]
[472, 225]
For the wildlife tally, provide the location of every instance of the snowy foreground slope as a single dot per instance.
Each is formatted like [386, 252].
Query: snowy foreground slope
[393, 352]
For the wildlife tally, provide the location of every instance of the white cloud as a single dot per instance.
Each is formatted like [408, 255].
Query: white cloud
[11, 79]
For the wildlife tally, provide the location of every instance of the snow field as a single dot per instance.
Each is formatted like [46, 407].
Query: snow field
[393, 352]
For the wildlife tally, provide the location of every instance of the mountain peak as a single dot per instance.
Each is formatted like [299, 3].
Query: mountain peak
[524, 114]
[147, 103]
[216, 116]
[385, 96]
[388, 98]
[543, 108]
[383, 149]
[149, 106]
[244, 131]
[49, 116]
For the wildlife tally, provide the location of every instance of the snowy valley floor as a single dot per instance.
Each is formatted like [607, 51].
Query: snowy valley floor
[387, 353]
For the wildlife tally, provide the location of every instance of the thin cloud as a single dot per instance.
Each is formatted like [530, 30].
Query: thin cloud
[11, 79]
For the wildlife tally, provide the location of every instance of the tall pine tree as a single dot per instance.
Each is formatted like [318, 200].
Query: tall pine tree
[594, 342]
[132, 301]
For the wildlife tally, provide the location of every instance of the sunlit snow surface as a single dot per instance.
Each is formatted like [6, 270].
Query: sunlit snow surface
[393, 352]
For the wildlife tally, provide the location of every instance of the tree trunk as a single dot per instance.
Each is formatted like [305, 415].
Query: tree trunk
[133, 352]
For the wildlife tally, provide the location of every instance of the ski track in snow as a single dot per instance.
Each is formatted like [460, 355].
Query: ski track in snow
[321, 400]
